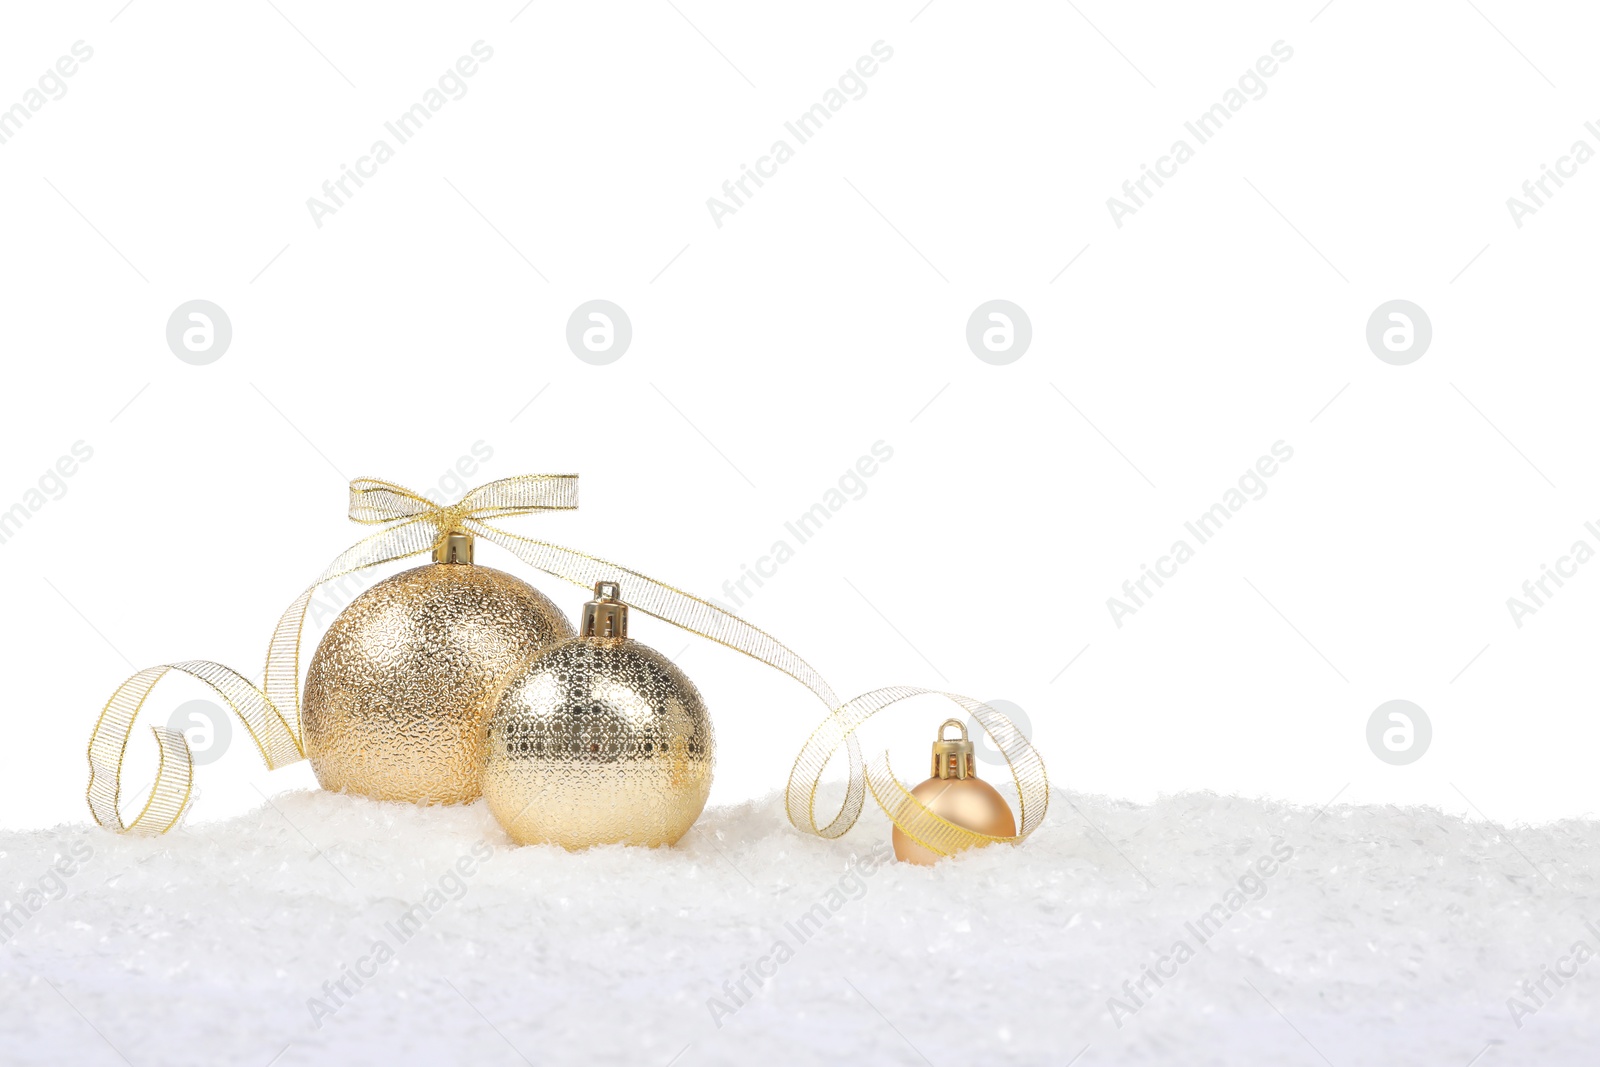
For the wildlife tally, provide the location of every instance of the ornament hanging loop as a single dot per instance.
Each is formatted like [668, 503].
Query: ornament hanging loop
[952, 757]
[605, 618]
[454, 547]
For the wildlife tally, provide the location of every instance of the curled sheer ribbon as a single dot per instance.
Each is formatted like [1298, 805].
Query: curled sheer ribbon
[413, 525]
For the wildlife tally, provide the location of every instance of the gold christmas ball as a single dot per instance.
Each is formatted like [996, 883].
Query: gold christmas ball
[598, 741]
[402, 686]
[956, 794]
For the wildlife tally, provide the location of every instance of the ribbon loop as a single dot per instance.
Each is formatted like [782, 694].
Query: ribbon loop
[411, 525]
[374, 501]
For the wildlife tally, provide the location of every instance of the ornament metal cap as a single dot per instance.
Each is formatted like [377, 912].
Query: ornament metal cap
[606, 616]
[952, 758]
[454, 547]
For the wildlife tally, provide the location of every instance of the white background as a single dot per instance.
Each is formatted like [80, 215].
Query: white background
[827, 314]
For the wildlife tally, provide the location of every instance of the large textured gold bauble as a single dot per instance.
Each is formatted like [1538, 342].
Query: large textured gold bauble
[970, 803]
[599, 742]
[402, 686]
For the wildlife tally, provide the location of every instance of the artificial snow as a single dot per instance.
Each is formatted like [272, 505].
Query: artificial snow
[326, 929]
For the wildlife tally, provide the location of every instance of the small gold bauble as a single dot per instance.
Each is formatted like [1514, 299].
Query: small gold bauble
[403, 683]
[956, 794]
[600, 740]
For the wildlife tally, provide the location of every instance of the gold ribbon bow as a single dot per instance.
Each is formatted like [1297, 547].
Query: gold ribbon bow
[413, 525]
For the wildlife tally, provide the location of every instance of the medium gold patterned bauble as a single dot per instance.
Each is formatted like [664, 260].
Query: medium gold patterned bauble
[956, 794]
[600, 740]
[403, 684]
